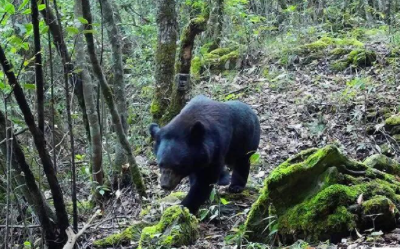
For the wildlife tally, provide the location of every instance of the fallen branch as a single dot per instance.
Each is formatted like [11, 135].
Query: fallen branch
[72, 237]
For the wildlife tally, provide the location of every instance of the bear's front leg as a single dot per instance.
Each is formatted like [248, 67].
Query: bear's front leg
[201, 185]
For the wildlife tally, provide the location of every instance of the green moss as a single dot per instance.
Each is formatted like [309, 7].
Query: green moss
[155, 108]
[177, 227]
[326, 211]
[393, 120]
[312, 195]
[384, 210]
[222, 51]
[340, 65]
[195, 68]
[132, 233]
[221, 58]
[362, 57]
[83, 206]
[383, 163]
[316, 46]
[339, 51]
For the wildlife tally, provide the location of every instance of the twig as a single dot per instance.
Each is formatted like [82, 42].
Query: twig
[72, 237]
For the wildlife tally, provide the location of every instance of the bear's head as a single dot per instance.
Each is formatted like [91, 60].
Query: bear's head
[180, 151]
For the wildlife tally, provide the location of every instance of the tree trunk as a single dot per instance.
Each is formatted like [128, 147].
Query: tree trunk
[25, 181]
[115, 39]
[108, 97]
[89, 93]
[180, 89]
[38, 138]
[74, 80]
[164, 57]
[38, 65]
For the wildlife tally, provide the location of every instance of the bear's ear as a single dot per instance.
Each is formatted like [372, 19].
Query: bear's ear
[197, 132]
[153, 128]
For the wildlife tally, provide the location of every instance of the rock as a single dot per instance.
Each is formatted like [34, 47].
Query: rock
[176, 228]
[392, 124]
[380, 212]
[315, 195]
[383, 163]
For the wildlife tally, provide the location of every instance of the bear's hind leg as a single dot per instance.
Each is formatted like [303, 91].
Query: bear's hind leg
[240, 175]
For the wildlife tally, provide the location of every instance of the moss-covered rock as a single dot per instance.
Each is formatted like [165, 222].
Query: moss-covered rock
[393, 120]
[383, 163]
[313, 196]
[392, 124]
[380, 212]
[131, 233]
[362, 57]
[177, 227]
[221, 58]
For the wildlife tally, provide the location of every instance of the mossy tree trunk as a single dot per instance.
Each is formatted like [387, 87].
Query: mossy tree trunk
[164, 57]
[89, 93]
[115, 39]
[109, 98]
[179, 96]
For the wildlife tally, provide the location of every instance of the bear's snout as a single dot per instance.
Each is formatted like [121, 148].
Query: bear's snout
[169, 179]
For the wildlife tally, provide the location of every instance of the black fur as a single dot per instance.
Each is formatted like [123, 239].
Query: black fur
[201, 140]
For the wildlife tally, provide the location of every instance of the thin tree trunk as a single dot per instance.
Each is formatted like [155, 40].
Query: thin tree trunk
[164, 57]
[115, 39]
[215, 23]
[25, 179]
[38, 65]
[68, 66]
[38, 138]
[96, 152]
[108, 97]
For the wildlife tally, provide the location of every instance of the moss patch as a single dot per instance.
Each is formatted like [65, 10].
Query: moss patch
[132, 233]
[177, 227]
[312, 194]
[393, 120]
[383, 163]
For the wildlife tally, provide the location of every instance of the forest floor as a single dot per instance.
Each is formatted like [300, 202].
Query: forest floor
[302, 103]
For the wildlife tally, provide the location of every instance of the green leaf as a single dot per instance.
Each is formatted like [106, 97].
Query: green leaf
[29, 27]
[29, 86]
[9, 8]
[27, 11]
[83, 20]
[44, 30]
[25, 46]
[72, 30]
[212, 195]
[203, 214]
[255, 158]
[89, 31]
[23, 4]
[41, 7]
[102, 192]
[224, 201]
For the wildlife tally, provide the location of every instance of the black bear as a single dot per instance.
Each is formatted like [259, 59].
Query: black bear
[204, 137]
